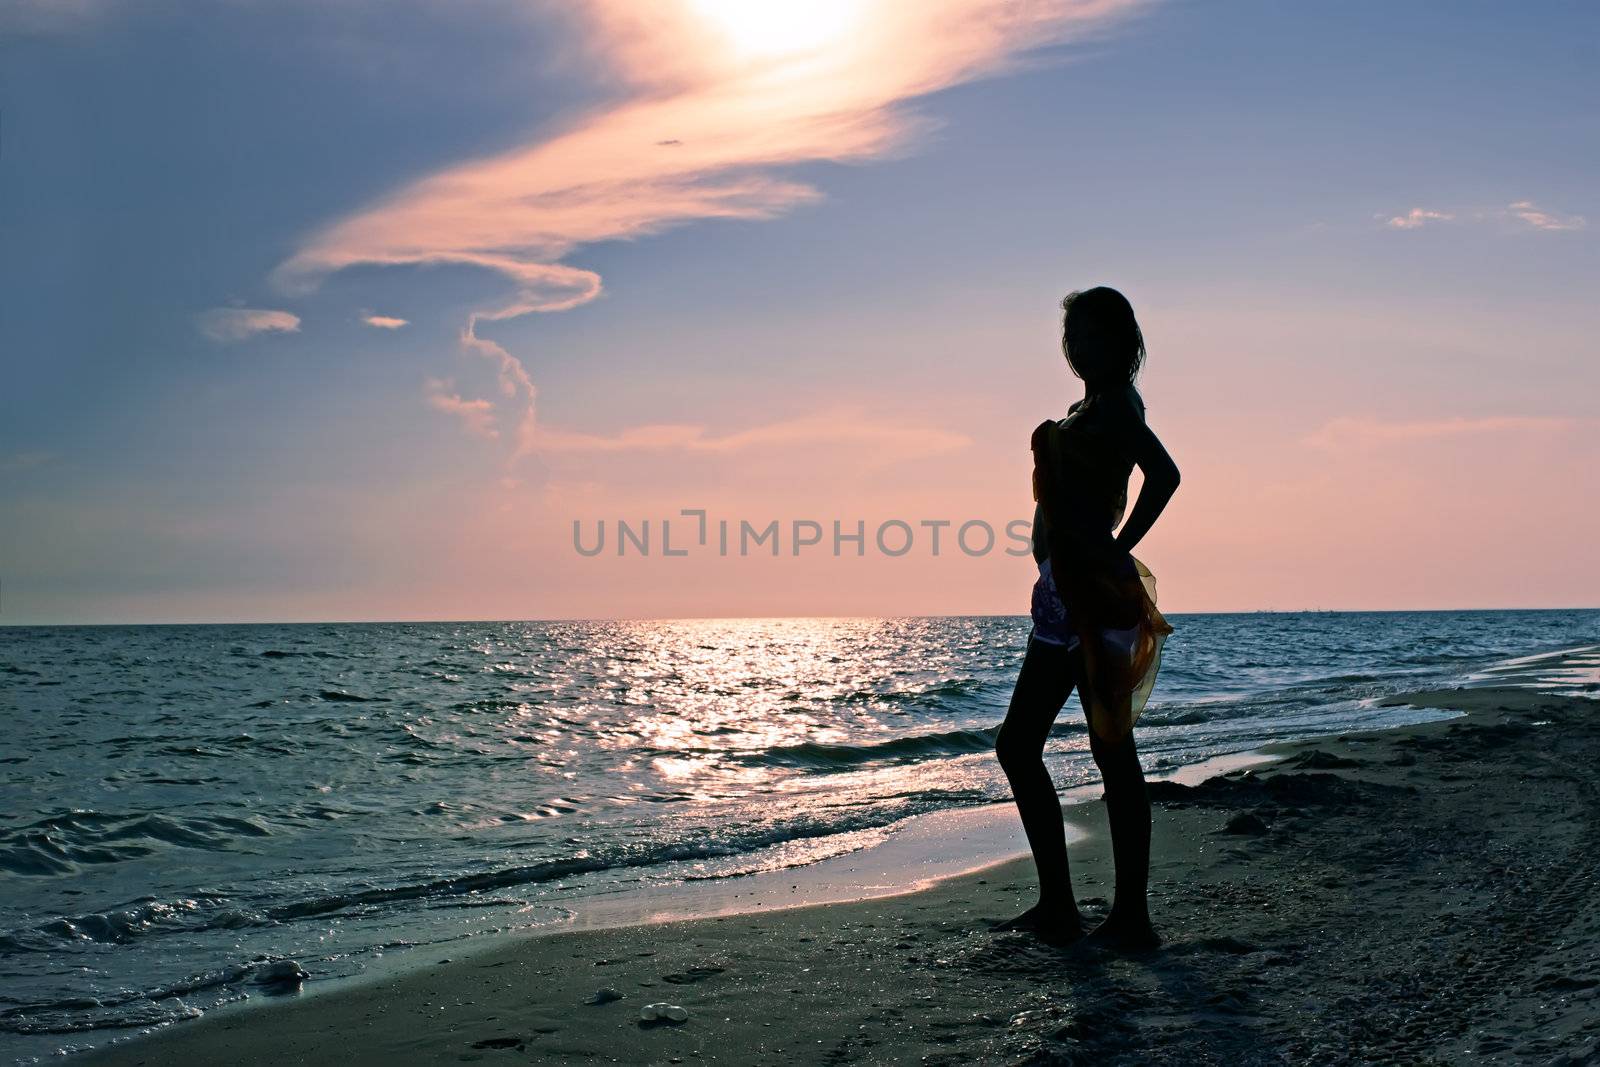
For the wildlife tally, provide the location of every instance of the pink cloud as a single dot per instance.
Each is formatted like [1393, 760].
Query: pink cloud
[1524, 211]
[236, 324]
[384, 322]
[843, 428]
[716, 105]
[1416, 218]
[476, 415]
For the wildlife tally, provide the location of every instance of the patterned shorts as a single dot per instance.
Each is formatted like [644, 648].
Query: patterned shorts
[1052, 624]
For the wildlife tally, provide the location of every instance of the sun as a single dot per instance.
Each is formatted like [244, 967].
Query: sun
[769, 28]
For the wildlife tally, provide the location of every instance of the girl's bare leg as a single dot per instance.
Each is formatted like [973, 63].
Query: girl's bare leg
[1043, 685]
[1128, 806]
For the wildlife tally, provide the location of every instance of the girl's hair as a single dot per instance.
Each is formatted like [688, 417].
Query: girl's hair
[1119, 352]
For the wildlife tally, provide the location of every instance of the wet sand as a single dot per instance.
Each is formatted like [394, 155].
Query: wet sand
[1423, 894]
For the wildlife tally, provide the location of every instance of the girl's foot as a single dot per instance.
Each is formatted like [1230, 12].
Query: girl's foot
[1050, 925]
[1125, 934]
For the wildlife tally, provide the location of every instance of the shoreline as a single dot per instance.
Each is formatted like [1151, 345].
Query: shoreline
[915, 973]
[918, 854]
[908, 861]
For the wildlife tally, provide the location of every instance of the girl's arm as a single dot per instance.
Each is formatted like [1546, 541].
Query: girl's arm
[1160, 482]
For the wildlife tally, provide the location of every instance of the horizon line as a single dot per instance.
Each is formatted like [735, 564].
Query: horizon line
[765, 618]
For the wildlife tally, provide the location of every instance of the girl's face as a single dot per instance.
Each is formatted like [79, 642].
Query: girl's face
[1085, 346]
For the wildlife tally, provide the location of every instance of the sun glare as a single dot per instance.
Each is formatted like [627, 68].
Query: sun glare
[778, 27]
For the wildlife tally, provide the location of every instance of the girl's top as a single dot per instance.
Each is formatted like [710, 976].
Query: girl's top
[1110, 614]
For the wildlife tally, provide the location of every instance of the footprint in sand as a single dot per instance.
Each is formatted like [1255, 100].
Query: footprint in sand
[692, 974]
[1246, 823]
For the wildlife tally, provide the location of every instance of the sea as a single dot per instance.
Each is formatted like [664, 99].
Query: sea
[181, 806]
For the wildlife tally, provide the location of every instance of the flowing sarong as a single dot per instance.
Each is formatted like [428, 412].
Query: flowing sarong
[1110, 614]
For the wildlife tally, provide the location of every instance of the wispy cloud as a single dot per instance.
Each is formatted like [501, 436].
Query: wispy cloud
[1519, 212]
[718, 107]
[476, 415]
[1352, 431]
[385, 322]
[1417, 218]
[1526, 212]
[236, 324]
[851, 428]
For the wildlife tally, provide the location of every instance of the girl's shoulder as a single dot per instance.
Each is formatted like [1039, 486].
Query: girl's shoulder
[1124, 403]
[1093, 411]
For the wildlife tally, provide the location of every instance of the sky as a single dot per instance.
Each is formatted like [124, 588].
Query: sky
[380, 309]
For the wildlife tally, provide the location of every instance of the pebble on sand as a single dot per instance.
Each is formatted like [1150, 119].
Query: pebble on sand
[661, 1011]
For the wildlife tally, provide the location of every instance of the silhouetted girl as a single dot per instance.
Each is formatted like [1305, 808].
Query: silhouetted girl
[1095, 623]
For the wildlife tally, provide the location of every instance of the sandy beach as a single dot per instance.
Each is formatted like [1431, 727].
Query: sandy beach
[1424, 894]
[656, 532]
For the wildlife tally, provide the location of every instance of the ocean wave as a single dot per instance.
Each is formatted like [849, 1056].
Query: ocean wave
[132, 921]
[913, 748]
[952, 688]
[201, 910]
[821, 755]
[491, 704]
[1179, 716]
[448, 891]
[1344, 679]
[128, 1007]
[78, 1015]
[61, 844]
